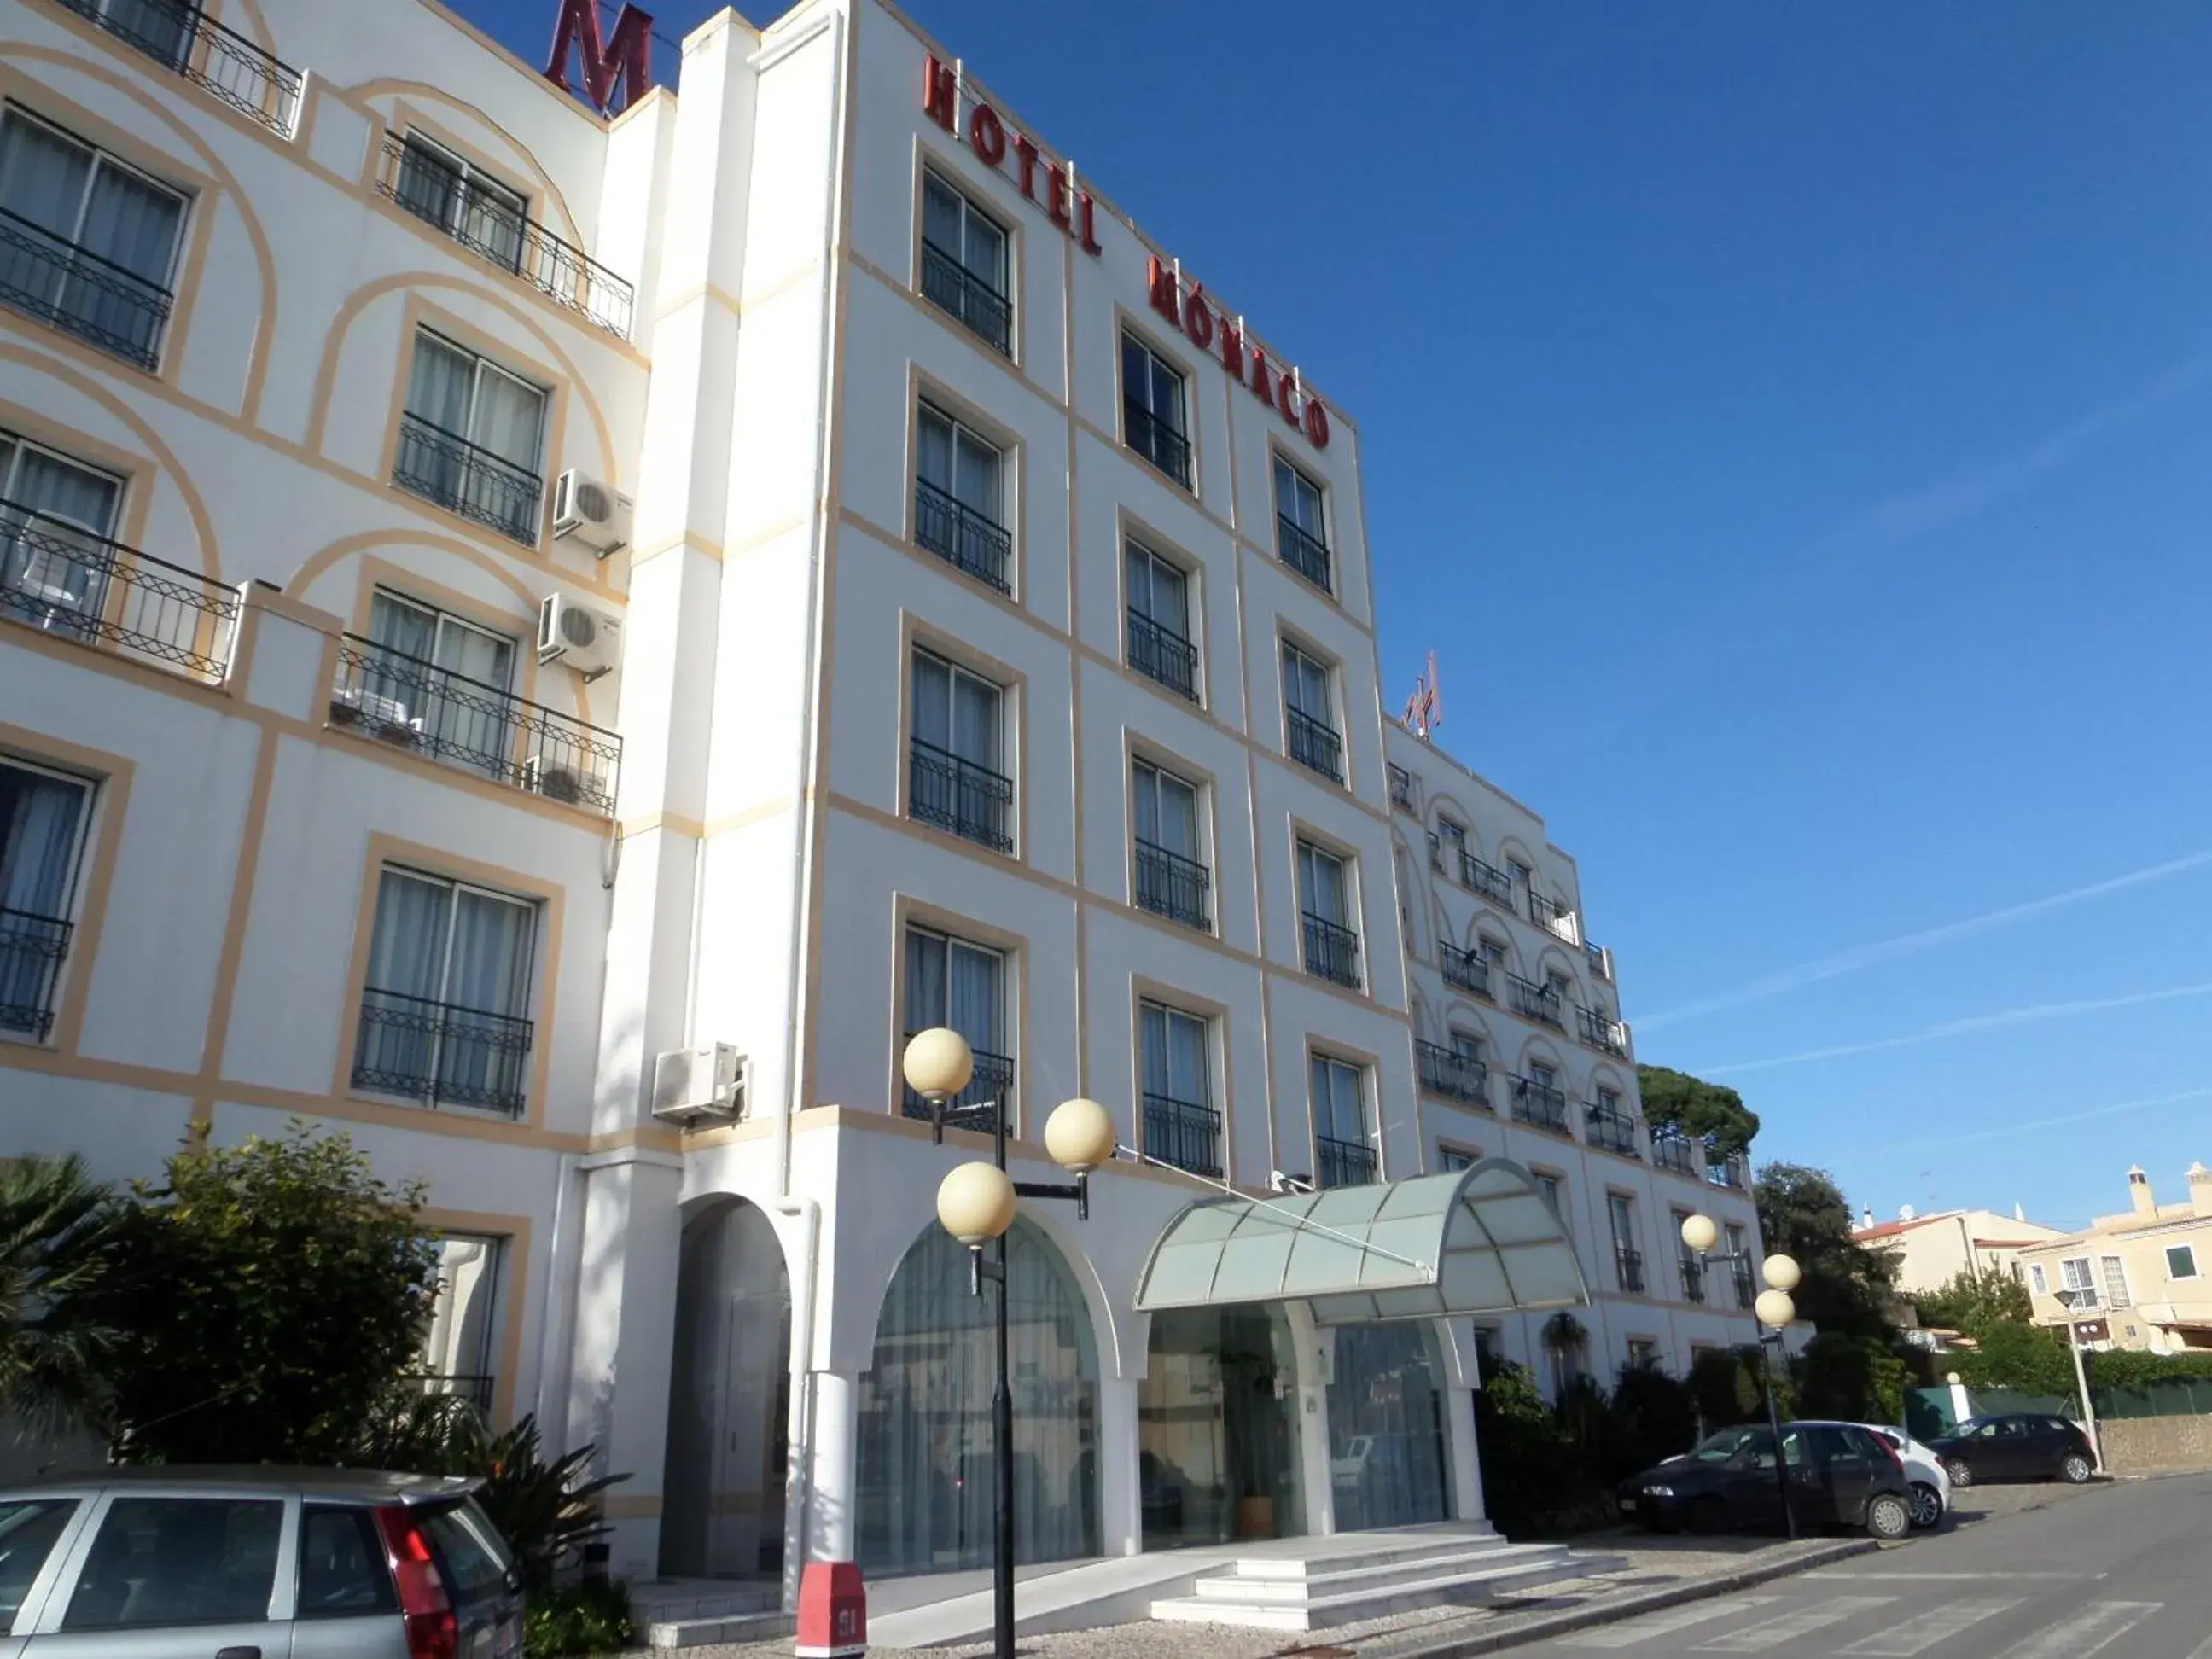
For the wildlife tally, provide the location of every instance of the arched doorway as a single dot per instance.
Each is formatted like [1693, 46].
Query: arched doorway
[728, 1398]
[1387, 1459]
[926, 1478]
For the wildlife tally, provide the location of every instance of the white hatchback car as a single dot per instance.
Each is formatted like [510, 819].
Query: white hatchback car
[1931, 1485]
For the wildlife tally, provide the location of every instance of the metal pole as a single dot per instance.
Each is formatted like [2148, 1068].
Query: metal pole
[1774, 1421]
[1002, 1449]
[2081, 1389]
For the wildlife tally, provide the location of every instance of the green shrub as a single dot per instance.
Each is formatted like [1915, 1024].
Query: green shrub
[589, 1618]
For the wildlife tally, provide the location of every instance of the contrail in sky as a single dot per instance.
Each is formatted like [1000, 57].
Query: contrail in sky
[1963, 1027]
[1887, 949]
[2112, 1110]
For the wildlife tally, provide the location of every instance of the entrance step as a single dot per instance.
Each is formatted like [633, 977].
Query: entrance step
[667, 1635]
[669, 1602]
[1281, 1592]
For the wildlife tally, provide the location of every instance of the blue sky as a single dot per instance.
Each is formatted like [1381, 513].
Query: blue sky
[1787, 426]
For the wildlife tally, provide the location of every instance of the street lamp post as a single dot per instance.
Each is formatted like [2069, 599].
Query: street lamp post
[2069, 1300]
[1775, 1311]
[975, 1204]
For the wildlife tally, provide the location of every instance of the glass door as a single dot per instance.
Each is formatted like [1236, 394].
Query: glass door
[1216, 1429]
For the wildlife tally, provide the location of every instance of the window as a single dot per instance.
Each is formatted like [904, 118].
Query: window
[1340, 1115]
[1172, 879]
[1486, 1350]
[171, 1561]
[471, 439]
[1152, 409]
[43, 818]
[1451, 846]
[343, 1573]
[2180, 1263]
[1746, 1290]
[956, 779]
[950, 981]
[1301, 538]
[1332, 947]
[1310, 730]
[964, 264]
[29, 1528]
[1159, 638]
[1554, 1194]
[1451, 1159]
[2041, 1285]
[1490, 950]
[55, 514]
[1609, 1102]
[441, 189]
[959, 508]
[88, 245]
[1621, 1214]
[441, 1014]
[1467, 1046]
[1521, 875]
[1642, 1354]
[1402, 786]
[1688, 1260]
[456, 1349]
[2116, 1282]
[1181, 1126]
[2075, 1271]
[444, 680]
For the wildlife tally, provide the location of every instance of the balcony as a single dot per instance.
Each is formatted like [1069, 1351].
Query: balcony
[1542, 1003]
[1402, 791]
[1452, 1075]
[1331, 952]
[1303, 552]
[1541, 1106]
[1343, 1163]
[1171, 885]
[67, 582]
[413, 705]
[1628, 1269]
[441, 1054]
[1727, 1172]
[443, 467]
[982, 309]
[1746, 1290]
[1485, 881]
[1317, 747]
[1611, 1131]
[1161, 655]
[1553, 917]
[73, 289]
[990, 1092]
[962, 536]
[1463, 968]
[1600, 1031]
[1693, 1279]
[1157, 442]
[1671, 1149]
[972, 801]
[477, 1390]
[1601, 960]
[423, 184]
[219, 61]
[32, 948]
[1183, 1133]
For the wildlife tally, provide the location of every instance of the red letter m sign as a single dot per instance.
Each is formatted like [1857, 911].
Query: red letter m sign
[627, 53]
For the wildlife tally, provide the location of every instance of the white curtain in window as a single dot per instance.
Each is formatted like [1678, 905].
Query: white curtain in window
[489, 970]
[935, 463]
[975, 1005]
[1305, 685]
[508, 419]
[131, 222]
[1297, 499]
[925, 979]
[1320, 887]
[1175, 1055]
[407, 947]
[1167, 812]
[933, 701]
[164, 28]
[53, 569]
[47, 483]
[975, 476]
[406, 629]
[976, 722]
[940, 217]
[42, 178]
[441, 385]
[1339, 1112]
[1157, 590]
[39, 819]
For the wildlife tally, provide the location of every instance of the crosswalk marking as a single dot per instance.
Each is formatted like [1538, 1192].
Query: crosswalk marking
[2084, 1632]
[1916, 1635]
[1757, 1638]
[1663, 1624]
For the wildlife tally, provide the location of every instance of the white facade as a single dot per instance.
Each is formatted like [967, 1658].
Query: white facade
[299, 824]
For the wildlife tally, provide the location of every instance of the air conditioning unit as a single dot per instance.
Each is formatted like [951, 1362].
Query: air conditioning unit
[588, 640]
[691, 1086]
[596, 515]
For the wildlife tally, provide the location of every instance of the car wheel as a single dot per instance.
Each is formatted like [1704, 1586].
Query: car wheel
[1927, 1505]
[2075, 1469]
[1888, 1515]
[1706, 1516]
[1960, 1471]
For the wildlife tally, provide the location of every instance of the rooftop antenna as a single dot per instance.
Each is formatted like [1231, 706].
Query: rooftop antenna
[1424, 709]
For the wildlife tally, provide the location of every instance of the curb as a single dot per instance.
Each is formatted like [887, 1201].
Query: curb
[1543, 1627]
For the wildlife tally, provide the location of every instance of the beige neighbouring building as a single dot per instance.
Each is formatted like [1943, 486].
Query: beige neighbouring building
[1932, 1250]
[2143, 1271]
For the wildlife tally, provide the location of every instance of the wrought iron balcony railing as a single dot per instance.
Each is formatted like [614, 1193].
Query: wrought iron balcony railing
[1331, 951]
[1402, 788]
[1343, 1163]
[1162, 654]
[1184, 1133]
[989, 1094]
[1486, 881]
[416, 707]
[1629, 1265]
[962, 536]
[465, 478]
[1156, 441]
[985, 312]
[176, 35]
[972, 801]
[1542, 1003]
[1303, 551]
[1694, 1278]
[66, 582]
[441, 1054]
[1671, 1149]
[476, 1388]
[1600, 1031]
[1453, 1075]
[1553, 917]
[424, 185]
[1463, 968]
[1171, 885]
[32, 948]
[1724, 1171]
[1613, 1131]
[1541, 1106]
[68, 288]
[1317, 747]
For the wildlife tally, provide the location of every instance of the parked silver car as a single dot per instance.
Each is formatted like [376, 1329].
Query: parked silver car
[182, 1563]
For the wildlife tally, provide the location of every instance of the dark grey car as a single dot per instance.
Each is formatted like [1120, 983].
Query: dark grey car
[183, 1563]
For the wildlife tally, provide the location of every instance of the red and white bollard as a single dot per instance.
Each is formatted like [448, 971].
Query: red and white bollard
[833, 1611]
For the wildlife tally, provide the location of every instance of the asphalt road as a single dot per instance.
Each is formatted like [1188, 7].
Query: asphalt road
[2125, 1571]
